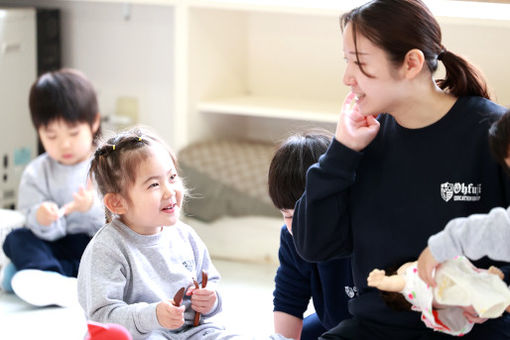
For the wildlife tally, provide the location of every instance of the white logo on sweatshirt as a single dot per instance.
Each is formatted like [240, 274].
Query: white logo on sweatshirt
[461, 191]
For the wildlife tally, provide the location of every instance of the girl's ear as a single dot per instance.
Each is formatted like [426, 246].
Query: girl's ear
[413, 63]
[115, 203]
[95, 125]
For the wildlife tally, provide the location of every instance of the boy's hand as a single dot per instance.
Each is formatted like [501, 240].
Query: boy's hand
[170, 316]
[47, 213]
[202, 299]
[376, 277]
[426, 265]
[353, 129]
[83, 199]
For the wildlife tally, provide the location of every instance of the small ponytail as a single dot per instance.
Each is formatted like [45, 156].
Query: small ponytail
[462, 78]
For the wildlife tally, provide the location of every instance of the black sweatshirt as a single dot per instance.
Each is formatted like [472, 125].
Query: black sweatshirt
[381, 205]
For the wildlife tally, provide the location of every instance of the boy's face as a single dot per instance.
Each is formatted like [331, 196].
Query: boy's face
[287, 218]
[67, 144]
[156, 196]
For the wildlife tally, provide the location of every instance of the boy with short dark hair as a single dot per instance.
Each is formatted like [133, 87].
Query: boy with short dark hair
[328, 283]
[62, 209]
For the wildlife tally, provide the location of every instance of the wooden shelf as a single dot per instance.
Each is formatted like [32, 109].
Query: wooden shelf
[317, 111]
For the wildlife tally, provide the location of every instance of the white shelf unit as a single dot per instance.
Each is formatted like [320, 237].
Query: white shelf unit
[258, 68]
[247, 60]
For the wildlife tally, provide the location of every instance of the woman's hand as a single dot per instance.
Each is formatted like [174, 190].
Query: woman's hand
[354, 130]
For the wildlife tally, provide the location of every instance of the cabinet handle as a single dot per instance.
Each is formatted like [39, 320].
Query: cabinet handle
[11, 47]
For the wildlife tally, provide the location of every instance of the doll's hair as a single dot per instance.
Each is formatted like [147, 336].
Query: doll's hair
[64, 94]
[398, 26]
[499, 139]
[287, 171]
[395, 300]
[116, 161]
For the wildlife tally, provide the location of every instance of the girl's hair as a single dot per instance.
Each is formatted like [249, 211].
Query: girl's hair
[287, 171]
[398, 26]
[499, 139]
[64, 94]
[116, 161]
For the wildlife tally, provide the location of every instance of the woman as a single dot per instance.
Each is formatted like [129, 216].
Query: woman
[387, 183]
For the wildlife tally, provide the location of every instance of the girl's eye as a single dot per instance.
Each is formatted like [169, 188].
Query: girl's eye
[51, 137]
[74, 133]
[153, 185]
[173, 178]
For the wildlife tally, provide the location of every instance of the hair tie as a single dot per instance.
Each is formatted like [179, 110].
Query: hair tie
[113, 147]
[139, 139]
[441, 54]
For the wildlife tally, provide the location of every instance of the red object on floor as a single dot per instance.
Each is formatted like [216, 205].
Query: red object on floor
[108, 331]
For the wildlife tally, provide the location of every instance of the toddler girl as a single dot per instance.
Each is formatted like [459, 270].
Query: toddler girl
[145, 255]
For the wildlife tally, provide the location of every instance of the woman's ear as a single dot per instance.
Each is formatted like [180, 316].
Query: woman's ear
[115, 203]
[95, 125]
[413, 63]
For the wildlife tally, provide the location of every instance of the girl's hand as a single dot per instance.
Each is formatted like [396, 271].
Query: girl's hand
[471, 315]
[83, 199]
[47, 213]
[426, 265]
[170, 316]
[354, 130]
[202, 299]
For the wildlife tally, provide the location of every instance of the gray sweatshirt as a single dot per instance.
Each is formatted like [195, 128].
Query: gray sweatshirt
[123, 275]
[44, 179]
[475, 236]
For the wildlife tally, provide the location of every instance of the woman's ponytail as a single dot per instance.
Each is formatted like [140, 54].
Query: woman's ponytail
[462, 78]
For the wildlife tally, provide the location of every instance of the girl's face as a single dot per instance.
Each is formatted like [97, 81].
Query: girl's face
[67, 144]
[156, 196]
[379, 93]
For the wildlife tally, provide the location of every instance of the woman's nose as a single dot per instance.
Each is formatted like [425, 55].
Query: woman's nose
[348, 78]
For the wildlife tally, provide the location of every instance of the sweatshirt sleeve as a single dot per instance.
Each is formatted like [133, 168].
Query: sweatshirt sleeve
[32, 193]
[102, 279]
[475, 236]
[292, 291]
[321, 223]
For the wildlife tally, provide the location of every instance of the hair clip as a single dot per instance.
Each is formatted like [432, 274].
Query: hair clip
[113, 147]
[139, 139]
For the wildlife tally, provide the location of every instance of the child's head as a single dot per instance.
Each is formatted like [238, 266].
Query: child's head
[499, 140]
[137, 175]
[287, 171]
[64, 111]
[411, 37]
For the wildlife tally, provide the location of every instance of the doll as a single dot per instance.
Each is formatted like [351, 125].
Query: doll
[459, 285]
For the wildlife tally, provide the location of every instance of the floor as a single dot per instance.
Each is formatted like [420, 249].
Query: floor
[246, 288]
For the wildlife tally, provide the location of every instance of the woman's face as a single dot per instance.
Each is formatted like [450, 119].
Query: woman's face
[379, 93]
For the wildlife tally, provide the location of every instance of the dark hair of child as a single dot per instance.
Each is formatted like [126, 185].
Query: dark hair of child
[64, 94]
[115, 163]
[499, 139]
[287, 171]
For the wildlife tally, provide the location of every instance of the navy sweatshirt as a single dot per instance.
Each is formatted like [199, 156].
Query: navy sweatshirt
[381, 205]
[329, 284]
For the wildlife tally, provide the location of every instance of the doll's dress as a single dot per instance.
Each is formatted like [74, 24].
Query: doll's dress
[459, 283]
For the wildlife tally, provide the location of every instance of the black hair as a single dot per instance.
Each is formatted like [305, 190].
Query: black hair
[64, 94]
[287, 171]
